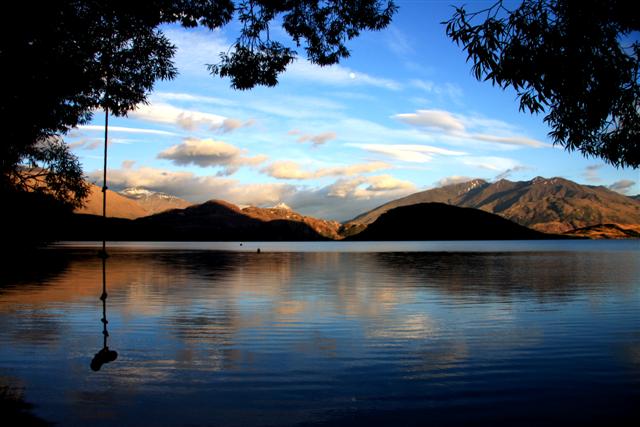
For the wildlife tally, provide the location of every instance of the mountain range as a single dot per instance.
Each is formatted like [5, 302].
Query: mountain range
[154, 201]
[215, 220]
[118, 206]
[130, 203]
[554, 205]
[439, 221]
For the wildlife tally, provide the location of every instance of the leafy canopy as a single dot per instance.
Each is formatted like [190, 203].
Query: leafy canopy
[321, 27]
[67, 59]
[576, 61]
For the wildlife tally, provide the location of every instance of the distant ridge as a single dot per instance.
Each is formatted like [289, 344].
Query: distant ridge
[281, 211]
[154, 201]
[607, 231]
[118, 206]
[215, 220]
[554, 205]
[222, 215]
[439, 221]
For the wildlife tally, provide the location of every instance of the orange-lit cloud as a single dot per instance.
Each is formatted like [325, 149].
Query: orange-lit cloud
[287, 169]
[209, 152]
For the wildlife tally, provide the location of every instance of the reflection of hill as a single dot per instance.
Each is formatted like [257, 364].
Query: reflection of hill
[358, 284]
[14, 408]
[551, 276]
[31, 266]
[438, 221]
[234, 326]
[209, 297]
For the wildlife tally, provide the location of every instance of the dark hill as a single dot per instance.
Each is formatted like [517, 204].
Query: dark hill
[210, 221]
[449, 194]
[554, 205]
[439, 221]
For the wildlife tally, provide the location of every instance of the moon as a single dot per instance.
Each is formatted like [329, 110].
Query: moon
[352, 76]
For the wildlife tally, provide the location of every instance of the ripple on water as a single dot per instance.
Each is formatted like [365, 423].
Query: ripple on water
[283, 338]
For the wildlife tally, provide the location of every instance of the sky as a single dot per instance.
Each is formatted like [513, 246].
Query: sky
[402, 114]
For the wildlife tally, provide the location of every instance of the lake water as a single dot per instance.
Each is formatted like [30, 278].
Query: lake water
[415, 333]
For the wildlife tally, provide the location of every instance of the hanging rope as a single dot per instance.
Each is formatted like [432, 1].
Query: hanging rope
[104, 183]
[105, 355]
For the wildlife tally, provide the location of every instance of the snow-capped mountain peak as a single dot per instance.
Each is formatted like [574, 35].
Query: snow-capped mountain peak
[282, 205]
[136, 192]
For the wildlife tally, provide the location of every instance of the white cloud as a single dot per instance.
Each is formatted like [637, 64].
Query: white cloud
[197, 188]
[296, 107]
[353, 169]
[388, 183]
[288, 106]
[291, 170]
[86, 144]
[189, 120]
[95, 143]
[342, 200]
[196, 48]
[128, 164]
[187, 97]
[491, 163]
[317, 139]
[229, 125]
[409, 152]
[444, 123]
[440, 90]
[507, 173]
[435, 119]
[370, 187]
[622, 186]
[591, 173]
[100, 128]
[511, 140]
[286, 169]
[450, 180]
[185, 119]
[398, 42]
[425, 85]
[208, 152]
[336, 75]
[358, 131]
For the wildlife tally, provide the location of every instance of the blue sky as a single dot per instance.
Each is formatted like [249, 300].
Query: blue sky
[402, 114]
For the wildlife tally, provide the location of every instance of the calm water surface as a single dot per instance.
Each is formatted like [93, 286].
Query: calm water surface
[436, 333]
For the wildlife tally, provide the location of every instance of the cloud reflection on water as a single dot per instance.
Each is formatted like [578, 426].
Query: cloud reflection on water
[331, 326]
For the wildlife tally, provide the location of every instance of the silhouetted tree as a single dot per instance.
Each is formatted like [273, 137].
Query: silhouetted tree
[49, 168]
[56, 68]
[576, 61]
[16, 408]
[322, 27]
[66, 59]
[39, 195]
